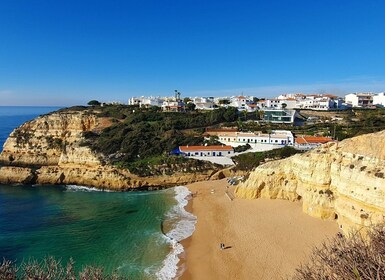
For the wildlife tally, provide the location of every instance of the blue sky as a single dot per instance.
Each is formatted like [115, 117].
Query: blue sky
[69, 52]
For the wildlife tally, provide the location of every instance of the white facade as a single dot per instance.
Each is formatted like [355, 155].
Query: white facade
[276, 137]
[173, 106]
[146, 101]
[379, 99]
[243, 103]
[276, 103]
[359, 99]
[204, 103]
[302, 101]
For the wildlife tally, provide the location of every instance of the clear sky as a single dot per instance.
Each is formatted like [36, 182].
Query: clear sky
[69, 52]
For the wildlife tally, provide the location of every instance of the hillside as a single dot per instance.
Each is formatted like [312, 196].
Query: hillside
[117, 147]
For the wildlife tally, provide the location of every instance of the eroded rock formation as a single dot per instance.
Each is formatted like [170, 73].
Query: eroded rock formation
[51, 150]
[344, 181]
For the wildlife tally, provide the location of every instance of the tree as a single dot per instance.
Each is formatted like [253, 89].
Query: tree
[93, 103]
[224, 101]
[284, 105]
[255, 99]
[190, 106]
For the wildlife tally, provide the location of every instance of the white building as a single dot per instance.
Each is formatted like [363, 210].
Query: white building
[243, 103]
[359, 99]
[302, 101]
[173, 106]
[379, 99]
[307, 142]
[204, 103]
[276, 137]
[146, 101]
[277, 103]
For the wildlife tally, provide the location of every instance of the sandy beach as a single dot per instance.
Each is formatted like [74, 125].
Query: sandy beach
[264, 239]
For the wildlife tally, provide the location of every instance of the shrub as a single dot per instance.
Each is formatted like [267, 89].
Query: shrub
[145, 133]
[242, 148]
[249, 161]
[354, 257]
[51, 269]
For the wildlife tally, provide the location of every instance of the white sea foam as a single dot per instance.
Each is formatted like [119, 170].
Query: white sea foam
[183, 228]
[76, 188]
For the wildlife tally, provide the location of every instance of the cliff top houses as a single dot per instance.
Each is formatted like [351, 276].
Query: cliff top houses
[234, 138]
[280, 109]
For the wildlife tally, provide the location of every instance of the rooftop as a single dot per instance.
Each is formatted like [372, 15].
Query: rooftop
[304, 139]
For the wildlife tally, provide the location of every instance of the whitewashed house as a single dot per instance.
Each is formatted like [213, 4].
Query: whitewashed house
[307, 142]
[276, 137]
[146, 101]
[359, 99]
[243, 103]
[379, 99]
[173, 106]
[204, 103]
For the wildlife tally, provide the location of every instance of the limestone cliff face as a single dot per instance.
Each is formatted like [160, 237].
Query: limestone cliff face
[344, 181]
[49, 150]
[52, 139]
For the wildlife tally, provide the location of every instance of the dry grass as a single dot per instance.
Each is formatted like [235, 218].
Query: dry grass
[51, 269]
[358, 256]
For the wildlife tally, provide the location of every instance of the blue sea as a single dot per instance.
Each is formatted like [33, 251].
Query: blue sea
[136, 234]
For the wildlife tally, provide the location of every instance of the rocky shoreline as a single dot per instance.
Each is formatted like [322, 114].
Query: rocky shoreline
[50, 150]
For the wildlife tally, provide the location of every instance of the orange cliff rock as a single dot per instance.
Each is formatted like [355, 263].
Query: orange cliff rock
[49, 150]
[344, 181]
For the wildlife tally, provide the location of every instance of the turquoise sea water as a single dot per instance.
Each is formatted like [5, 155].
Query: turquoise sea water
[135, 233]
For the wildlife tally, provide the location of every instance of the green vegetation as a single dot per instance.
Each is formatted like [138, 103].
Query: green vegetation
[54, 143]
[140, 135]
[93, 103]
[249, 161]
[352, 257]
[52, 269]
[22, 137]
[355, 122]
[242, 148]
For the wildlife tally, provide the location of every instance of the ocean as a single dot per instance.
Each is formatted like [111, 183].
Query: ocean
[136, 234]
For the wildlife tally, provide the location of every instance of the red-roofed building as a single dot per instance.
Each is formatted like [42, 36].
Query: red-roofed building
[307, 142]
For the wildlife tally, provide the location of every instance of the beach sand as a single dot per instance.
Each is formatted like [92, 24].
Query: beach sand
[264, 239]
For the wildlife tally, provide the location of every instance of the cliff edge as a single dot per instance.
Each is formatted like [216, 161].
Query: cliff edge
[51, 149]
[343, 181]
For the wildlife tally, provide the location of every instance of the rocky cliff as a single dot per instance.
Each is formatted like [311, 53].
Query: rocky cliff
[52, 139]
[344, 181]
[51, 150]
